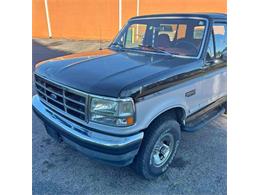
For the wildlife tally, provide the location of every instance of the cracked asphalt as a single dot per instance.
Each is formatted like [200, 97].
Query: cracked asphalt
[200, 166]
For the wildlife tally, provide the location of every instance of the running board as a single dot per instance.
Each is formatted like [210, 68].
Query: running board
[203, 120]
[204, 116]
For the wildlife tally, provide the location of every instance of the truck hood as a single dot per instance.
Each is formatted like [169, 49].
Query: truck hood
[108, 72]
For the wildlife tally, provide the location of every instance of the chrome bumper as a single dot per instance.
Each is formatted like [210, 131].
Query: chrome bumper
[116, 150]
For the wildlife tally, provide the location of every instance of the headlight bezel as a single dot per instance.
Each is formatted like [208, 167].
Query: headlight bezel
[118, 101]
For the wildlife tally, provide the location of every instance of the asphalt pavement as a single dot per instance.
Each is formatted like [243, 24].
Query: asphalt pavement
[200, 166]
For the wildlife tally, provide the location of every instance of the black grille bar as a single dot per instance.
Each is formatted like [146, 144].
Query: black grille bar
[59, 97]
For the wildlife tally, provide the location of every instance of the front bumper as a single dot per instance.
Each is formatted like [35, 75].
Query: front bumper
[115, 150]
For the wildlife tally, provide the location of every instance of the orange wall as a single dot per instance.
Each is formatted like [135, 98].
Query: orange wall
[128, 10]
[92, 19]
[178, 6]
[39, 24]
[84, 18]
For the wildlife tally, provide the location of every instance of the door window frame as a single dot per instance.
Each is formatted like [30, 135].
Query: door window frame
[213, 37]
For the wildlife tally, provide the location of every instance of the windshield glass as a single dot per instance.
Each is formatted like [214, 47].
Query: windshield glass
[171, 36]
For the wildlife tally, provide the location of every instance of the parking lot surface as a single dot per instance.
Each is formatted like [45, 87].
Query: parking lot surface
[199, 167]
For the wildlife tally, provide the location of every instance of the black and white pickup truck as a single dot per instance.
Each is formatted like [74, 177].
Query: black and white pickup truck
[128, 104]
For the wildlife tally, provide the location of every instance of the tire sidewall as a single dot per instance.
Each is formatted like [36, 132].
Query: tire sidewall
[169, 126]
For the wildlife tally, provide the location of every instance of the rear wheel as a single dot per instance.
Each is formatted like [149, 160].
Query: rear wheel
[159, 147]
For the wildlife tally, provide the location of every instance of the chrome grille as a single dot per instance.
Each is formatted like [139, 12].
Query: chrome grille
[68, 100]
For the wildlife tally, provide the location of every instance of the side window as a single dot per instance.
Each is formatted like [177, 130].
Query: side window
[210, 51]
[220, 35]
[198, 32]
[135, 35]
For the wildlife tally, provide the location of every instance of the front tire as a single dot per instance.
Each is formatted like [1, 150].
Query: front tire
[159, 147]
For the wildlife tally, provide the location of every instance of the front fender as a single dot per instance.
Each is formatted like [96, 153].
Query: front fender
[151, 107]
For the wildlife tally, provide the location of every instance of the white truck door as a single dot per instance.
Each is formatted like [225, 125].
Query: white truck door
[214, 83]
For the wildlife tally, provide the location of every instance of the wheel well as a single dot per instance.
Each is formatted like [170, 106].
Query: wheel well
[178, 113]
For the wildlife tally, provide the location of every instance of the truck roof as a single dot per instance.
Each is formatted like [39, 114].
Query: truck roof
[202, 15]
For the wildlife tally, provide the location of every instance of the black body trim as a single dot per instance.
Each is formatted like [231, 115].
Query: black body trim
[174, 80]
[203, 15]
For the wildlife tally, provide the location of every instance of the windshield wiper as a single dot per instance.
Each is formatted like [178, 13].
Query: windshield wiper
[156, 49]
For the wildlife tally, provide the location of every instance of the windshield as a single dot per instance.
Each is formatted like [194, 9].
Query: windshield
[181, 37]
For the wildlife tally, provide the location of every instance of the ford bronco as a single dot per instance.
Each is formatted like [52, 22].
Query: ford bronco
[128, 103]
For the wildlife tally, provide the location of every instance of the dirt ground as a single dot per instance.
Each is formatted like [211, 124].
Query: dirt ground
[72, 46]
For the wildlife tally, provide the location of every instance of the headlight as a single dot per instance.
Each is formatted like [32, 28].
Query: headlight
[115, 112]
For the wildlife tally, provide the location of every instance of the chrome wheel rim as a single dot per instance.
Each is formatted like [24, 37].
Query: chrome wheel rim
[162, 150]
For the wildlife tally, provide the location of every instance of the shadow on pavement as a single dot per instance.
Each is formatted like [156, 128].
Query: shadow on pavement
[41, 52]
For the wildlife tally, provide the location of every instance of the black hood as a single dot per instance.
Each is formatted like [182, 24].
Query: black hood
[111, 73]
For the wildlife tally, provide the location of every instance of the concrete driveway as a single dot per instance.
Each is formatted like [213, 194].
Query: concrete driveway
[199, 167]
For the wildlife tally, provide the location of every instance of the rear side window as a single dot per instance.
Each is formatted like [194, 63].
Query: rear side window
[169, 29]
[220, 35]
[198, 32]
[174, 31]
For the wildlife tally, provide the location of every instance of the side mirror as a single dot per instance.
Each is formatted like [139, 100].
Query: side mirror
[224, 55]
[212, 62]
